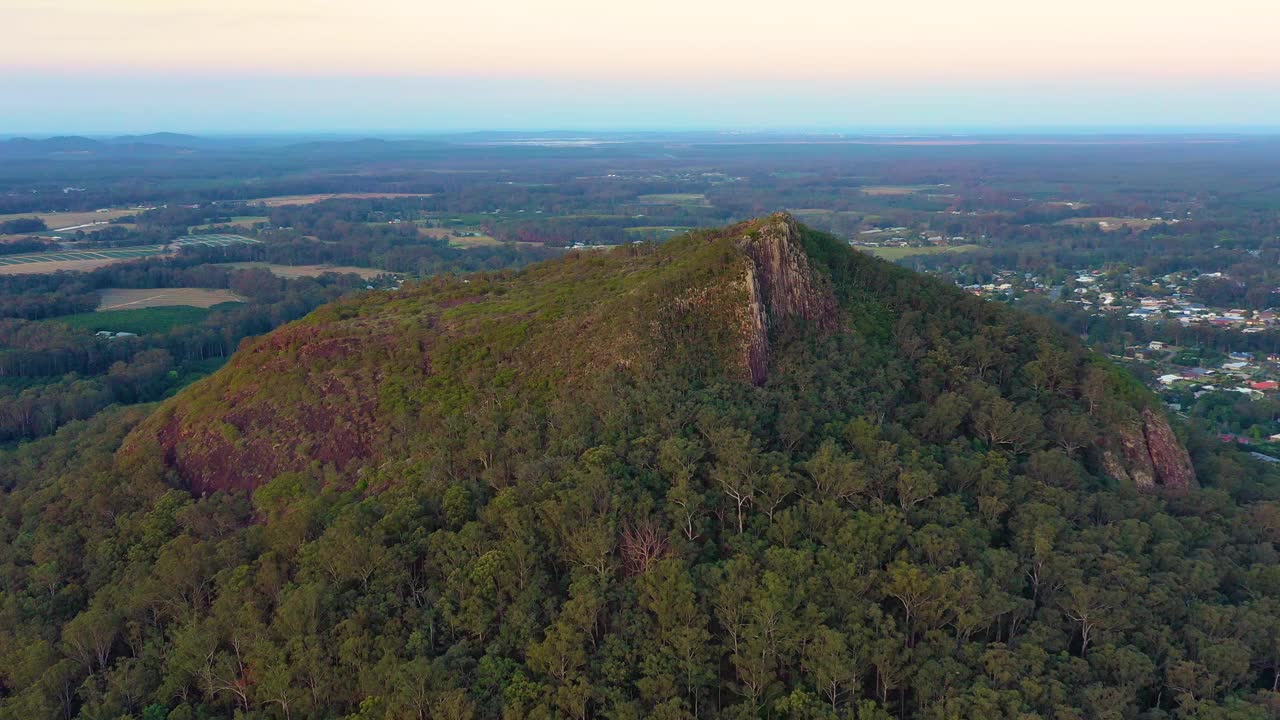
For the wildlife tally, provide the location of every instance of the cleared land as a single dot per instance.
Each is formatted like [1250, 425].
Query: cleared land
[675, 199]
[54, 266]
[459, 241]
[884, 190]
[656, 232]
[214, 240]
[468, 241]
[897, 253]
[280, 200]
[47, 262]
[65, 220]
[244, 221]
[297, 271]
[1112, 223]
[133, 299]
[139, 322]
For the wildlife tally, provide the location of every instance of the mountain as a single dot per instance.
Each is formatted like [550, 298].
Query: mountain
[64, 144]
[160, 138]
[748, 472]
[702, 308]
[163, 144]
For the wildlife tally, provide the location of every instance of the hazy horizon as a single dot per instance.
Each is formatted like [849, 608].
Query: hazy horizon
[396, 66]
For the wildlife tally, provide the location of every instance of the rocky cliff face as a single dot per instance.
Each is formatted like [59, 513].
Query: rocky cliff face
[1150, 455]
[782, 288]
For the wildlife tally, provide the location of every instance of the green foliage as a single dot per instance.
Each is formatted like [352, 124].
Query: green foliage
[574, 505]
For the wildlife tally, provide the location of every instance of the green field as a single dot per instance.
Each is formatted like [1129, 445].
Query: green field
[657, 232]
[675, 199]
[244, 221]
[139, 322]
[897, 253]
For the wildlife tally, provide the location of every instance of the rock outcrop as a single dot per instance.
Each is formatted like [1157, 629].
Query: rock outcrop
[782, 287]
[1150, 455]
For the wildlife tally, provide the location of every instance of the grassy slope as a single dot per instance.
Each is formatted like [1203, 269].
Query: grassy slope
[350, 380]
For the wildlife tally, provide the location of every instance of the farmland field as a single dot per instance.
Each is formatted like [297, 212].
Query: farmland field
[897, 253]
[132, 299]
[47, 262]
[459, 241]
[63, 220]
[279, 200]
[675, 199]
[244, 221]
[655, 232]
[890, 190]
[213, 240]
[297, 271]
[139, 322]
[1112, 223]
[467, 241]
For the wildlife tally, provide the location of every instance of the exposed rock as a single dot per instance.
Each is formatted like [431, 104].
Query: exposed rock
[1152, 456]
[1137, 456]
[782, 288]
[1169, 458]
[757, 328]
[1112, 466]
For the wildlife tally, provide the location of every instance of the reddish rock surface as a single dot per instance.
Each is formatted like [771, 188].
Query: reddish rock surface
[303, 396]
[1169, 458]
[783, 288]
[1150, 455]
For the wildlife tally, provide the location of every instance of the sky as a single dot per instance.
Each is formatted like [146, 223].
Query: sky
[270, 66]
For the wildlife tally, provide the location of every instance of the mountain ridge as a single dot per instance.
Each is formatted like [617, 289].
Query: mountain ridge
[360, 378]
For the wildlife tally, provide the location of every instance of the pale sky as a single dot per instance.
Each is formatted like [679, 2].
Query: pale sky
[200, 65]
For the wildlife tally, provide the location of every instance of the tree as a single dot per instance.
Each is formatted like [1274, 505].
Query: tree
[737, 469]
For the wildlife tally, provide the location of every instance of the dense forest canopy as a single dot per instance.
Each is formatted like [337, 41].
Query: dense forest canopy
[570, 496]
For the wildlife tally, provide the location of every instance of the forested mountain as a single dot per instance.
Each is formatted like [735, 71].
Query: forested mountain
[745, 473]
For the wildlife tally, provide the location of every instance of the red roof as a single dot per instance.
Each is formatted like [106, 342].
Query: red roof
[1265, 385]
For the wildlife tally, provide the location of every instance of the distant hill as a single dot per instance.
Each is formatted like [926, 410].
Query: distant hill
[69, 143]
[159, 144]
[746, 473]
[160, 138]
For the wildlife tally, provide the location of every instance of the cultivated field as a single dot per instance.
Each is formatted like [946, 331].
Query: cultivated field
[472, 241]
[888, 190]
[655, 232]
[81, 260]
[53, 266]
[675, 199]
[459, 241]
[280, 200]
[144, 321]
[1112, 223]
[897, 253]
[297, 271]
[214, 240]
[132, 299]
[71, 220]
[244, 221]
[48, 262]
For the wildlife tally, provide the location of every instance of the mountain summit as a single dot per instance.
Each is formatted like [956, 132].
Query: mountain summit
[394, 376]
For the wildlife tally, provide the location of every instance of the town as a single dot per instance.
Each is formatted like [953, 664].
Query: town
[1235, 390]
